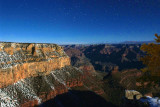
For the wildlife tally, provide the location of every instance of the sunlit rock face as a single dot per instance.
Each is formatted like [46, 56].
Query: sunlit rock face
[33, 73]
[19, 61]
[33, 91]
[132, 94]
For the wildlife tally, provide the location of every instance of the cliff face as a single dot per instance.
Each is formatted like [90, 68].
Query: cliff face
[33, 73]
[19, 61]
[33, 91]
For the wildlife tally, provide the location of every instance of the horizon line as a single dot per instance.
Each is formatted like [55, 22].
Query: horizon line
[123, 42]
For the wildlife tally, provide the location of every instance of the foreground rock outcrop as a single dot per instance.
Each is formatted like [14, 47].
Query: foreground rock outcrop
[134, 98]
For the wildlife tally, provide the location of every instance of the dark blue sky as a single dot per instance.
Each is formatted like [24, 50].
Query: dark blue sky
[79, 21]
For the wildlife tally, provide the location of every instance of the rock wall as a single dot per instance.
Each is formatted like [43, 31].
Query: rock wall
[22, 60]
[33, 91]
[60, 89]
[33, 69]
[31, 74]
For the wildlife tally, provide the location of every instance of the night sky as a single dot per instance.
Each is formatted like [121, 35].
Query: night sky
[79, 21]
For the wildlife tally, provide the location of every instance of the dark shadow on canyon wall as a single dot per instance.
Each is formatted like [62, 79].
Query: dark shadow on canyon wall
[98, 59]
[74, 98]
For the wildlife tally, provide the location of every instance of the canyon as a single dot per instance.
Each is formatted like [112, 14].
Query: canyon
[119, 67]
[34, 73]
[105, 57]
[46, 75]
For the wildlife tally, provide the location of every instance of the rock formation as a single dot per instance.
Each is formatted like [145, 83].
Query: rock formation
[105, 57]
[19, 61]
[31, 74]
[132, 94]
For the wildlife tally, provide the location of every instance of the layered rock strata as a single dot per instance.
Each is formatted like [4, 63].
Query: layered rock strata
[19, 61]
[33, 91]
[33, 73]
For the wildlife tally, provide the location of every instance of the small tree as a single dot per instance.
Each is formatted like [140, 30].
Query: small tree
[152, 57]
